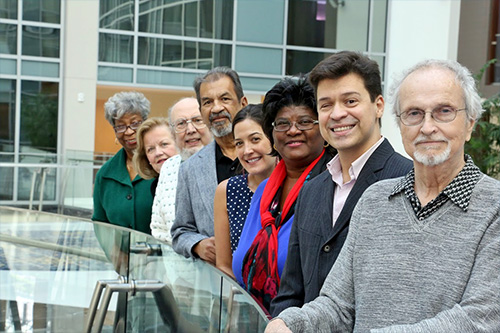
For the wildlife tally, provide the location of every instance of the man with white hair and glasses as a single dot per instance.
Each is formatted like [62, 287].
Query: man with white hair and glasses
[423, 251]
[191, 135]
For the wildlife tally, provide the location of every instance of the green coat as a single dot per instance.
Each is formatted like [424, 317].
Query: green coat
[120, 201]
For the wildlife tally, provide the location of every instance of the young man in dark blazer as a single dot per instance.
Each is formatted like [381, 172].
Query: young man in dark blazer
[350, 107]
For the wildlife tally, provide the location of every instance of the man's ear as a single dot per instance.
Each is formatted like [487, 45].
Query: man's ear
[244, 102]
[469, 128]
[380, 103]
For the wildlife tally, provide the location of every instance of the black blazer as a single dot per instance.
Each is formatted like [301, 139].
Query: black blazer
[314, 245]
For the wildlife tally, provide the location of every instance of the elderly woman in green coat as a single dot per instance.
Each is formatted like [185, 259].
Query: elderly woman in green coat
[121, 196]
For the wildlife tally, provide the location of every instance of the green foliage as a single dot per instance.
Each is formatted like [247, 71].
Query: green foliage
[39, 118]
[484, 146]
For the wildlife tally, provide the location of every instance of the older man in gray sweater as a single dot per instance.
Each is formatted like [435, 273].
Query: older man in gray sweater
[423, 251]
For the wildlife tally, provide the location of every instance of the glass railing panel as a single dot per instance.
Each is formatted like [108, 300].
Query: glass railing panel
[49, 265]
[66, 274]
[192, 295]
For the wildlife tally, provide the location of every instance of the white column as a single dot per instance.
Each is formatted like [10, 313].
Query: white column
[417, 30]
[81, 40]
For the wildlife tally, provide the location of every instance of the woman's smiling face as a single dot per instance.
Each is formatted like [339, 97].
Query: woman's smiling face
[296, 146]
[253, 148]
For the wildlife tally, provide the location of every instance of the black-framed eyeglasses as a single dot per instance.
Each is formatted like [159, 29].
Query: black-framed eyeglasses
[441, 114]
[181, 124]
[304, 124]
[123, 128]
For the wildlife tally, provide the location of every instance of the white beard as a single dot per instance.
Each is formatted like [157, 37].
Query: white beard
[188, 152]
[432, 160]
[221, 131]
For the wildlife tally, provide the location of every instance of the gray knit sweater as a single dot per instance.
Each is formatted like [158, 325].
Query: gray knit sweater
[398, 274]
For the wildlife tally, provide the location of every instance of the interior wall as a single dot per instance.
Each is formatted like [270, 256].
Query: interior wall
[161, 100]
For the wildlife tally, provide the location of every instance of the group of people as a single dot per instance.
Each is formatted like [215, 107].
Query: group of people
[303, 201]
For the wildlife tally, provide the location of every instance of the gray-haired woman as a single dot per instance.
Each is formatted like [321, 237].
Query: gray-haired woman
[121, 196]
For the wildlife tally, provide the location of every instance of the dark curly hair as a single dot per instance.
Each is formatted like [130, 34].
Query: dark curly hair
[294, 91]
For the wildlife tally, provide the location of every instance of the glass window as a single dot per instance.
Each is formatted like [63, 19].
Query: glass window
[176, 53]
[116, 48]
[6, 179]
[260, 21]
[8, 9]
[8, 66]
[379, 26]
[183, 18]
[39, 114]
[307, 22]
[302, 61]
[114, 74]
[48, 11]
[7, 114]
[8, 38]
[116, 14]
[257, 84]
[40, 41]
[332, 24]
[174, 79]
[258, 60]
[38, 68]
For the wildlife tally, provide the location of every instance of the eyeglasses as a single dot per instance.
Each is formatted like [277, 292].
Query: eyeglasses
[181, 124]
[123, 128]
[442, 114]
[304, 124]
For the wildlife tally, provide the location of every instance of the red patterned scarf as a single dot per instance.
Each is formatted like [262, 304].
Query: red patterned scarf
[260, 265]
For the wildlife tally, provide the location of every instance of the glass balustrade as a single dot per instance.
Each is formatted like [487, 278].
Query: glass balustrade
[67, 274]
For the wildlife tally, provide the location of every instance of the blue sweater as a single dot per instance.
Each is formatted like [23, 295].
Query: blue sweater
[250, 230]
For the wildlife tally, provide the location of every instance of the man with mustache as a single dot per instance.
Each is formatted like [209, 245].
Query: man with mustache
[422, 253]
[220, 96]
[348, 90]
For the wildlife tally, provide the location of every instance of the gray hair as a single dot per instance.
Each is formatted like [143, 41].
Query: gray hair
[463, 77]
[126, 102]
[215, 74]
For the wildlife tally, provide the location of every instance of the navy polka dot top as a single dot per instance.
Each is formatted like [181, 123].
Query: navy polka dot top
[238, 203]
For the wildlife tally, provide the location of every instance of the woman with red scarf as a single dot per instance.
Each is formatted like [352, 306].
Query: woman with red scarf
[291, 124]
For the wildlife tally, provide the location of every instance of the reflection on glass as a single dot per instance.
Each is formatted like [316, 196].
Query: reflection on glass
[175, 53]
[116, 14]
[380, 61]
[8, 9]
[38, 184]
[208, 18]
[379, 26]
[7, 114]
[8, 38]
[116, 48]
[302, 61]
[195, 296]
[39, 113]
[40, 41]
[336, 24]
[308, 21]
[42, 10]
[52, 268]
[6, 179]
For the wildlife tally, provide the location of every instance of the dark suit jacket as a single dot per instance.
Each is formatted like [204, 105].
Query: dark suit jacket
[314, 245]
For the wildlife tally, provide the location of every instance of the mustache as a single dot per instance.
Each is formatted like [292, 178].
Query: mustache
[223, 113]
[425, 138]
